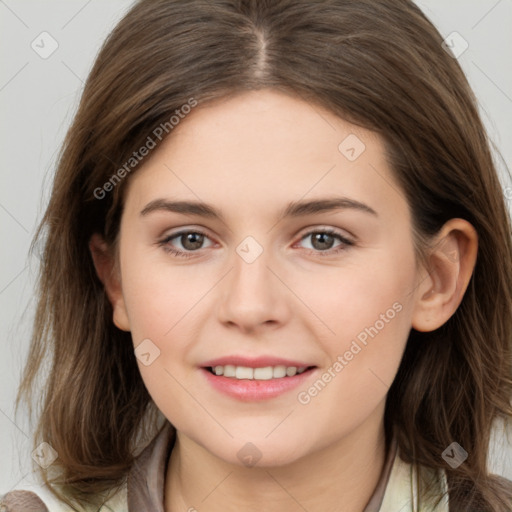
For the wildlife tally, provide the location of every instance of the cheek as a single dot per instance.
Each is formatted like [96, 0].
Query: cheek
[158, 298]
[164, 304]
[366, 316]
[164, 314]
[369, 314]
[351, 300]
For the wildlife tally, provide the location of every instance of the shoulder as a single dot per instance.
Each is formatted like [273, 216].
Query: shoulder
[505, 486]
[504, 482]
[37, 498]
[22, 501]
[402, 491]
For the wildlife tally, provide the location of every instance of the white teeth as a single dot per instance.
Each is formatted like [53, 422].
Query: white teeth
[265, 373]
[278, 372]
[229, 370]
[242, 372]
[291, 371]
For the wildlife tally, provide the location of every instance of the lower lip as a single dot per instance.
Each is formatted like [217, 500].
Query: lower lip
[254, 390]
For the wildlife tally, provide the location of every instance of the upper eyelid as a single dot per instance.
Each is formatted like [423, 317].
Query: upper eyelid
[200, 231]
[331, 230]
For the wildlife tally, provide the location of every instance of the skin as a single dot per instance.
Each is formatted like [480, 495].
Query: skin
[249, 156]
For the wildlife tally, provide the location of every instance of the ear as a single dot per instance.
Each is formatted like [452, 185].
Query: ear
[109, 275]
[451, 263]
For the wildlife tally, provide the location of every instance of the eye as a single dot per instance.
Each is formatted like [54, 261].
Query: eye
[322, 241]
[191, 241]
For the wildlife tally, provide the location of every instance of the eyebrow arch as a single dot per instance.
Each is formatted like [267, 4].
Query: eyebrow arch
[294, 209]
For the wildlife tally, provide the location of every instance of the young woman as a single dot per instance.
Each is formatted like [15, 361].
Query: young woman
[277, 272]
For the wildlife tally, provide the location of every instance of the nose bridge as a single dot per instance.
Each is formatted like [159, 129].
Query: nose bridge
[252, 294]
[251, 276]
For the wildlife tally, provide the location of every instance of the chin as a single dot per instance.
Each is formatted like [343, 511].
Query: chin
[254, 451]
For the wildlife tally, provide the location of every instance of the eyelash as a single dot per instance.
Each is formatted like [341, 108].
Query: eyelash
[330, 252]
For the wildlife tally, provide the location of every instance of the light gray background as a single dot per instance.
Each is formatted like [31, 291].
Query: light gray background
[38, 98]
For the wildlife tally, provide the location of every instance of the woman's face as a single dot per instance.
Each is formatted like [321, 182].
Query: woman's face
[263, 175]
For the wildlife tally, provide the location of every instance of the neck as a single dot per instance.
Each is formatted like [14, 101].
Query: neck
[345, 473]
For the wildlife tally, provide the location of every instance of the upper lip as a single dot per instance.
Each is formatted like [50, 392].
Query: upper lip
[254, 362]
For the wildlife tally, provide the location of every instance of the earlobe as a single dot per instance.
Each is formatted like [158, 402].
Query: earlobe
[451, 263]
[107, 272]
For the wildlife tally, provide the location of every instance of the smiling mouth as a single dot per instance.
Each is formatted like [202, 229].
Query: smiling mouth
[261, 373]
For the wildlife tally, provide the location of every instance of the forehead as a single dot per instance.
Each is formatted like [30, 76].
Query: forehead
[264, 148]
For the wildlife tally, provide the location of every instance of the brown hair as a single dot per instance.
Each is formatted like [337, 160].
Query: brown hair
[377, 64]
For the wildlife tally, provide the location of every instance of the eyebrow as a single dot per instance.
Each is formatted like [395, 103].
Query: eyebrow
[294, 209]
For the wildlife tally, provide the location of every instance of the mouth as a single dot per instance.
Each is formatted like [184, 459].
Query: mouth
[256, 383]
[260, 373]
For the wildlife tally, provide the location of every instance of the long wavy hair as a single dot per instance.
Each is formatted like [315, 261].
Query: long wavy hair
[377, 64]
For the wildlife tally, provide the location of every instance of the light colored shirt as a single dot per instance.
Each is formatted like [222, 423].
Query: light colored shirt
[143, 489]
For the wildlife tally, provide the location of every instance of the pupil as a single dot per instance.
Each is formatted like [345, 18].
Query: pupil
[189, 239]
[320, 236]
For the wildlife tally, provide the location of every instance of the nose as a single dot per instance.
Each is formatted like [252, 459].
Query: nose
[253, 295]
